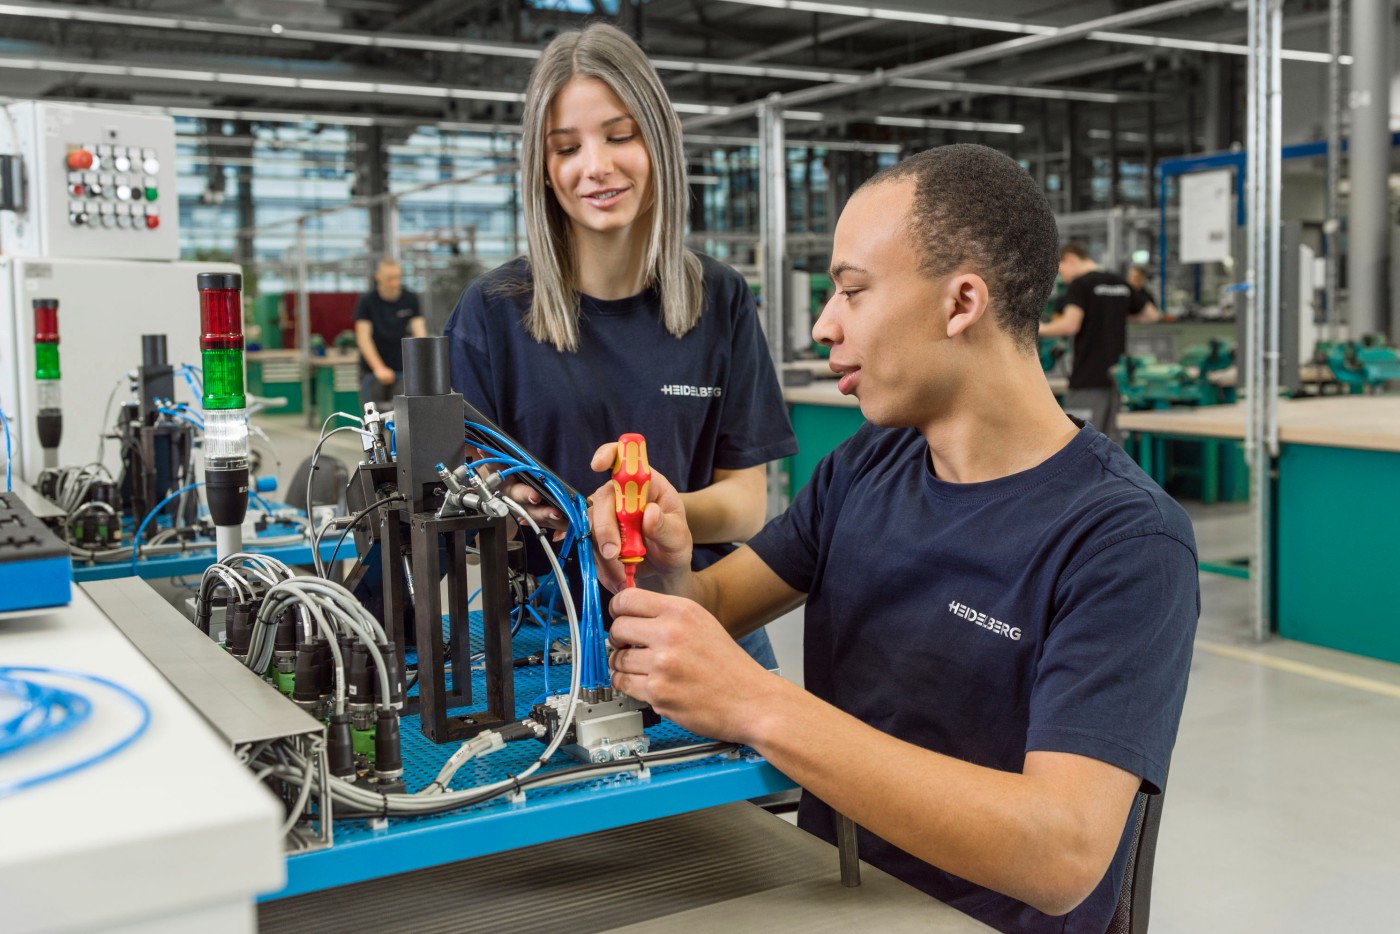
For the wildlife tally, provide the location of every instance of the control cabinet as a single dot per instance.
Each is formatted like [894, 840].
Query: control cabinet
[98, 184]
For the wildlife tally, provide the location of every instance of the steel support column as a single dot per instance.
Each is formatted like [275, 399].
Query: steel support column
[1262, 303]
[1332, 229]
[1368, 166]
[772, 199]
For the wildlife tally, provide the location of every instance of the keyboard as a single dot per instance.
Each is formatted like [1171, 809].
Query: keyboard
[36, 568]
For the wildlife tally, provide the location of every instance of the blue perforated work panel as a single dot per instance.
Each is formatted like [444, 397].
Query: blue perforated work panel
[360, 852]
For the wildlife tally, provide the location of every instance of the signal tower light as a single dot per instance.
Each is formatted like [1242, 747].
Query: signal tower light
[225, 406]
[46, 374]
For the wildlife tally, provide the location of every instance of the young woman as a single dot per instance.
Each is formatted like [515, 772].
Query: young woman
[611, 325]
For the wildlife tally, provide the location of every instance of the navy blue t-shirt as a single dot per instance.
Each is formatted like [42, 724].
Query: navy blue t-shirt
[706, 401]
[1050, 610]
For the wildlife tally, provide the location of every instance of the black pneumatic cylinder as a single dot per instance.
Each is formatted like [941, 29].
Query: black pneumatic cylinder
[227, 491]
[427, 366]
[153, 350]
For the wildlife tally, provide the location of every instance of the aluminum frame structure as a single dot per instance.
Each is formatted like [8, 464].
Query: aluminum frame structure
[1265, 154]
[772, 226]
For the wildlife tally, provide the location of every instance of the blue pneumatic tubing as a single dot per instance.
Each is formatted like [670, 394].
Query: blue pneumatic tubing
[8, 672]
[136, 540]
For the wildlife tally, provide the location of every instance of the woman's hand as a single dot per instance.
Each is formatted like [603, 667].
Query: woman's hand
[664, 530]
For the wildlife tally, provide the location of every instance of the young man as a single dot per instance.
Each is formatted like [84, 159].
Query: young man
[1000, 604]
[1098, 306]
[383, 318]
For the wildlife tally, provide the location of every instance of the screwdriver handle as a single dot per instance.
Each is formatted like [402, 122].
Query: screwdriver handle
[631, 475]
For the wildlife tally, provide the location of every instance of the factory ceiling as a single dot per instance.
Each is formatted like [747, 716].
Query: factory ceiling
[898, 71]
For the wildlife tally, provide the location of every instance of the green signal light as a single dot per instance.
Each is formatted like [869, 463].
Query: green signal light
[223, 379]
[46, 361]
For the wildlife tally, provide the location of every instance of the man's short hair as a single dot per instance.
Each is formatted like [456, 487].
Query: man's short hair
[976, 209]
[1142, 271]
[1077, 250]
[388, 263]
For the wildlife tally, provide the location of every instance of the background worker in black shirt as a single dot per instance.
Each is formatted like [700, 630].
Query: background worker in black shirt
[1138, 277]
[1098, 307]
[383, 317]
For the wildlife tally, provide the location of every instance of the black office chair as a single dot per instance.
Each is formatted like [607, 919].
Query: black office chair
[1134, 898]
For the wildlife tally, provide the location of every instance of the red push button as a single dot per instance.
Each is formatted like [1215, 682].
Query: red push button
[76, 189]
[79, 159]
[152, 222]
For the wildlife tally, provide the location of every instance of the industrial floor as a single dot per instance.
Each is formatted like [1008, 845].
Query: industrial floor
[1281, 814]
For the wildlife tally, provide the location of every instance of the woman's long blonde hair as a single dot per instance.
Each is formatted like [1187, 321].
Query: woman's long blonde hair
[608, 54]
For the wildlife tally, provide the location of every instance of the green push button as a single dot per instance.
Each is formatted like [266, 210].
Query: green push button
[150, 194]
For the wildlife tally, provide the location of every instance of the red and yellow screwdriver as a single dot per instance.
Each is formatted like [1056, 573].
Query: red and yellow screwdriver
[631, 475]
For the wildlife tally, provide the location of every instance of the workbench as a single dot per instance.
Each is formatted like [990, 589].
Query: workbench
[169, 834]
[1337, 518]
[277, 374]
[714, 871]
[822, 418]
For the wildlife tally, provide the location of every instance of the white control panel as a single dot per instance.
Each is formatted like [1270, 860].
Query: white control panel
[100, 184]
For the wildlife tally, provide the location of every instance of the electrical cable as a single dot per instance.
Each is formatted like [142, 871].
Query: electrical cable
[367, 803]
[590, 651]
[136, 539]
[359, 517]
[9, 672]
[575, 629]
[106, 413]
[311, 473]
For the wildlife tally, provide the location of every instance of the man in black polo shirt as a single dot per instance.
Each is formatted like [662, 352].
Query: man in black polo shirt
[383, 317]
[1098, 307]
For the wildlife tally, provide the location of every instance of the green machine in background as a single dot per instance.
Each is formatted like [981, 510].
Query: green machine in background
[822, 289]
[1147, 384]
[1361, 367]
[267, 318]
[1214, 470]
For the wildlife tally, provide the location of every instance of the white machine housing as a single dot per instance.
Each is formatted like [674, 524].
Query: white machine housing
[124, 207]
[114, 281]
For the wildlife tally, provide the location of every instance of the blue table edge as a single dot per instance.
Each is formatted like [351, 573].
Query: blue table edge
[450, 839]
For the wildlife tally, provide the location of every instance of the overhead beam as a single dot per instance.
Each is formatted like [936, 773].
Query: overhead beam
[258, 115]
[1026, 29]
[964, 59]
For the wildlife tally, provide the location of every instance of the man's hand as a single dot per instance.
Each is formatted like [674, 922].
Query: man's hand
[664, 530]
[671, 653]
[545, 514]
[385, 375]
